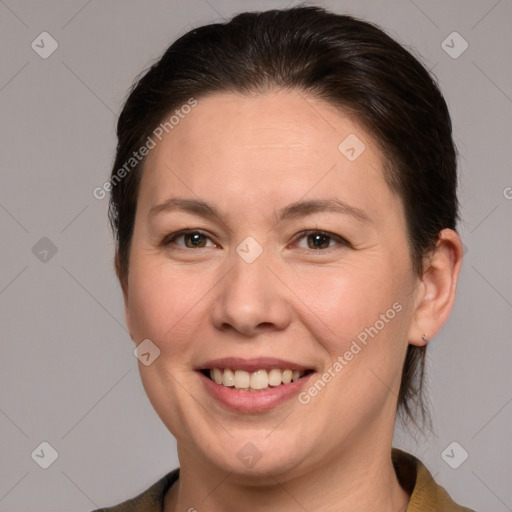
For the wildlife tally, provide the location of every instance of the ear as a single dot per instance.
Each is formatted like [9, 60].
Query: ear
[435, 293]
[123, 281]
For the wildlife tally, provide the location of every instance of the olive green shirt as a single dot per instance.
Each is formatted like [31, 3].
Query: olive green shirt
[414, 477]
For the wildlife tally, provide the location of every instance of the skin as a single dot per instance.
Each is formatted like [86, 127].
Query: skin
[250, 156]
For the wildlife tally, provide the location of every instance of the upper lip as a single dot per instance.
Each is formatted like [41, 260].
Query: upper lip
[251, 365]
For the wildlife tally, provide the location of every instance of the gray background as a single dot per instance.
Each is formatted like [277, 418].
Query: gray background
[68, 374]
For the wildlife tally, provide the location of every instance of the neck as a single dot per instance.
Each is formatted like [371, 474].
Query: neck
[357, 480]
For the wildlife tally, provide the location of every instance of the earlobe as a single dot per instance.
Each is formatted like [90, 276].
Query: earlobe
[117, 268]
[124, 287]
[127, 319]
[436, 293]
[127, 313]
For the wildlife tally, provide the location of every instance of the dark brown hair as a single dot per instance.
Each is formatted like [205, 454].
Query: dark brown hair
[350, 63]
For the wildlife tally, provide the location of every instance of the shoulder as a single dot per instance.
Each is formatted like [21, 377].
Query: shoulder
[151, 500]
[426, 493]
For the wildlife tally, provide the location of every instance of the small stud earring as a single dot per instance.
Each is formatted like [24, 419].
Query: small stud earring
[425, 339]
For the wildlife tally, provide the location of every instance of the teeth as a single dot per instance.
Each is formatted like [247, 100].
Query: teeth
[242, 379]
[259, 380]
[274, 377]
[228, 378]
[217, 375]
[254, 381]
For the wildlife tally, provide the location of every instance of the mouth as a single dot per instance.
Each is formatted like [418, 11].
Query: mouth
[255, 385]
[256, 381]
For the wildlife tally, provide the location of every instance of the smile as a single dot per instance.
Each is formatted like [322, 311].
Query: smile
[253, 385]
[258, 380]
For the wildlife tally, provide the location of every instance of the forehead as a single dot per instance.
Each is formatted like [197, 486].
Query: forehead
[277, 121]
[277, 146]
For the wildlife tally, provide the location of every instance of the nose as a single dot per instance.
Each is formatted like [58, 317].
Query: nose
[251, 299]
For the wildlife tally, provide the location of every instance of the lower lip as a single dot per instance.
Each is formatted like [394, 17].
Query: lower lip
[253, 401]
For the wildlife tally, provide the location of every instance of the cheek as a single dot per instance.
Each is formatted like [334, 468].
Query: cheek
[367, 309]
[349, 298]
[160, 299]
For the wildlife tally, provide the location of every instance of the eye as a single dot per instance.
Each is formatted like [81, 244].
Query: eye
[192, 239]
[320, 241]
[316, 240]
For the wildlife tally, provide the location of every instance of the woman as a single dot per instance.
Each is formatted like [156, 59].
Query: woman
[284, 202]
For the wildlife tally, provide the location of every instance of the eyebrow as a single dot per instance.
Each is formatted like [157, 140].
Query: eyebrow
[293, 211]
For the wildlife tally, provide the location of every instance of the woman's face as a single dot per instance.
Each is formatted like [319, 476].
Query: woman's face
[267, 284]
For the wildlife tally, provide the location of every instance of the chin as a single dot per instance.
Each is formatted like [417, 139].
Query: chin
[259, 455]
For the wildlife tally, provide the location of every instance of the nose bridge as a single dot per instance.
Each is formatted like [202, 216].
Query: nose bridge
[251, 297]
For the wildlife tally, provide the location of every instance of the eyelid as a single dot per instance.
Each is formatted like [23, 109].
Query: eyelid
[338, 238]
[172, 237]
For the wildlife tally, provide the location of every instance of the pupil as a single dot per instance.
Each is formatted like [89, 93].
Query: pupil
[319, 238]
[196, 238]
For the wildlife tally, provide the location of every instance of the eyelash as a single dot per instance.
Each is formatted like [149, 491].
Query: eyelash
[171, 239]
